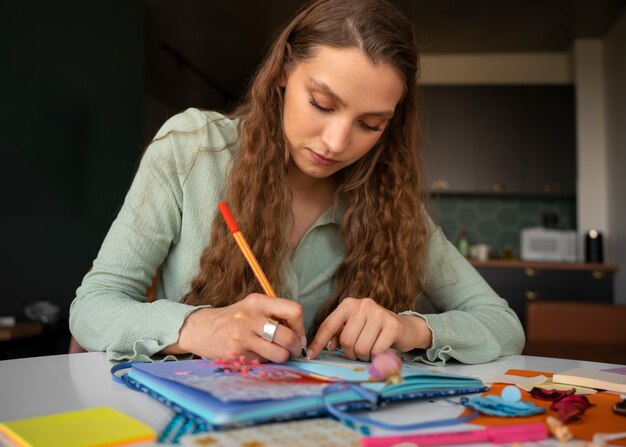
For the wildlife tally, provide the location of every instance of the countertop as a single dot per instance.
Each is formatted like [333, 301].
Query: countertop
[544, 265]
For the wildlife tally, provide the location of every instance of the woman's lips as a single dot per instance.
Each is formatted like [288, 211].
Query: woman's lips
[317, 158]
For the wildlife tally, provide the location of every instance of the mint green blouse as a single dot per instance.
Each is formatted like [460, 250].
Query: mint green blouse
[166, 220]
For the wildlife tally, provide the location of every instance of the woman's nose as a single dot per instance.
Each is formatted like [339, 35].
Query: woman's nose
[336, 135]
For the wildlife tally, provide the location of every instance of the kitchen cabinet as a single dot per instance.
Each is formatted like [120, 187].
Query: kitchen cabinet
[499, 139]
[499, 128]
[522, 282]
[550, 141]
[449, 146]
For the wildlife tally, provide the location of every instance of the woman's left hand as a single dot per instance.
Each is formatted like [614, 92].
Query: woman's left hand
[363, 329]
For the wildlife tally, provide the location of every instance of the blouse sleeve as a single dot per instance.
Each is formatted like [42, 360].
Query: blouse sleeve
[110, 312]
[473, 324]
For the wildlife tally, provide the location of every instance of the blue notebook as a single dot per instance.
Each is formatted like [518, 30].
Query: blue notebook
[217, 397]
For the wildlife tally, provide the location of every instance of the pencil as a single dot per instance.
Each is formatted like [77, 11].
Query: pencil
[245, 249]
[247, 252]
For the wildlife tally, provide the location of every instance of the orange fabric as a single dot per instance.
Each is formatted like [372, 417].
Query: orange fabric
[599, 418]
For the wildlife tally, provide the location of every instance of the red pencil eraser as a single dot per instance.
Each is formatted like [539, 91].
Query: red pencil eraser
[228, 217]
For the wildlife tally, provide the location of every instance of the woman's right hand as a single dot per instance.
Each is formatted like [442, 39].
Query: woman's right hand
[238, 328]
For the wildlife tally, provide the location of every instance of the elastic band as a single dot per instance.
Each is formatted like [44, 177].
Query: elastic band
[119, 367]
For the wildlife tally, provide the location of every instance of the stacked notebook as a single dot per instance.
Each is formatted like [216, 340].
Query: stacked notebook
[613, 380]
[216, 396]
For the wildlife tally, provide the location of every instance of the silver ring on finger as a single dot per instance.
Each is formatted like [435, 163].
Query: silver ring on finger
[269, 330]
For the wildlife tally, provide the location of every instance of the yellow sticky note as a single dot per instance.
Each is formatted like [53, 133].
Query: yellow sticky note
[90, 427]
[550, 385]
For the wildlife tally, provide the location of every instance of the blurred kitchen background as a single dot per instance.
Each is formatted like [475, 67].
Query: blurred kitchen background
[523, 121]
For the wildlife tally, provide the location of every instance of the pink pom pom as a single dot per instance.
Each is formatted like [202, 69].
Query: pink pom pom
[385, 365]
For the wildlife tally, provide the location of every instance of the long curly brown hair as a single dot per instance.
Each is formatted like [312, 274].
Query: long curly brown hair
[384, 226]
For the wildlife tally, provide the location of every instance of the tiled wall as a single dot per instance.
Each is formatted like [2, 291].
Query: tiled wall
[497, 220]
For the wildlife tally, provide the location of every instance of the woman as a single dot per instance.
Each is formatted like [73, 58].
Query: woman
[320, 168]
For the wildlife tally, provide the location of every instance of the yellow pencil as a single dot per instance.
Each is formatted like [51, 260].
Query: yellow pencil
[247, 252]
[245, 249]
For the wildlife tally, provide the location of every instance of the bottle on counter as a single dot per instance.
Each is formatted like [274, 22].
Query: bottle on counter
[463, 244]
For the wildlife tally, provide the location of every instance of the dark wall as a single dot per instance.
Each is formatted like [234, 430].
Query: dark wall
[71, 95]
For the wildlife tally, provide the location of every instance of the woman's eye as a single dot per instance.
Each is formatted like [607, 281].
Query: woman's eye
[323, 109]
[315, 104]
[368, 127]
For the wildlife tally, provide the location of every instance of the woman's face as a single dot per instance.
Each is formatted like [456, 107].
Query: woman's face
[336, 106]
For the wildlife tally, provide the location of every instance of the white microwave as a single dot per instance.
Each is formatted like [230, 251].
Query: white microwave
[543, 244]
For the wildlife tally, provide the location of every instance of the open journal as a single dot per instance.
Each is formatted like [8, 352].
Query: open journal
[216, 396]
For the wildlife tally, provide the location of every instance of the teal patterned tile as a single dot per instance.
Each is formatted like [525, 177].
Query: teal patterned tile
[503, 201]
[507, 217]
[485, 206]
[564, 207]
[497, 220]
[449, 226]
[467, 216]
[529, 207]
[449, 207]
[526, 222]
[486, 229]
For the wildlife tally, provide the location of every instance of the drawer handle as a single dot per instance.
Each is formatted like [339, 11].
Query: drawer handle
[598, 274]
[441, 185]
[530, 271]
[499, 187]
[531, 295]
[551, 187]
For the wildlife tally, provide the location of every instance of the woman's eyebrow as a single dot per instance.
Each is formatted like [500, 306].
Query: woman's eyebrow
[329, 92]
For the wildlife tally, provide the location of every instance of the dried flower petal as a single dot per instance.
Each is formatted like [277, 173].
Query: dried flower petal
[569, 414]
[571, 408]
[579, 401]
[543, 394]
